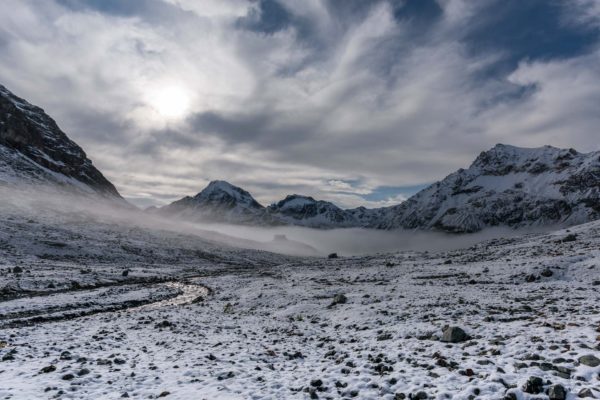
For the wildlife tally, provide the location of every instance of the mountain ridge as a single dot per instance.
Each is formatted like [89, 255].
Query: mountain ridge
[504, 186]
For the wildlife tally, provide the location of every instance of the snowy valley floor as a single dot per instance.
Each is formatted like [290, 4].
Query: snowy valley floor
[96, 311]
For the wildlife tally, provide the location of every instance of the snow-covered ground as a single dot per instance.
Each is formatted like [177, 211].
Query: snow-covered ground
[100, 310]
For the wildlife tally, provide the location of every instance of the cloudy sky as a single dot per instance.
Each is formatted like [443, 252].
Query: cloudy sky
[354, 101]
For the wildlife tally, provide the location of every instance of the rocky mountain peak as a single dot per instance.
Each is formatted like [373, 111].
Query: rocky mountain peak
[503, 159]
[225, 193]
[33, 148]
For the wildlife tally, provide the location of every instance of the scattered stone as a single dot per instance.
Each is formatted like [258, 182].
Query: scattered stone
[454, 334]
[569, 238]
[589, 360]
[316, 383]
[530, 278]
[339, 298]
[164, 324]
[547, 273]
[534, 385]
[586, 393]
[10, 356]
[225, 375]
[557, 392]
[48, 369]
[332, 255]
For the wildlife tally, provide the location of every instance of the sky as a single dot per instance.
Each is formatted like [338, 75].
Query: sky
[353, 101]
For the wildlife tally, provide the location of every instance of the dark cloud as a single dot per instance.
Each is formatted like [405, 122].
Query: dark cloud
[269, 17]
[419, 12]
[527, 30]
[153, 11]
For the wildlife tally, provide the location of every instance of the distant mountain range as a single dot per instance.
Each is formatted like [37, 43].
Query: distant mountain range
[505, 186]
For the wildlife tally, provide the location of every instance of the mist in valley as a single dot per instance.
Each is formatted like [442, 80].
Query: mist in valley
[358, 241]
[57, 206]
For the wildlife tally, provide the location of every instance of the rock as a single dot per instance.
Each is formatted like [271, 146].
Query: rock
[557, 392]
[454, 334]
[384, 336]
[589, 360]
[530, 278]
[419, 396]
[547, 273]
[48, 369]
[225, 375]
[164, 394]
[339, 298]
[68, 377]
[316, 383]
[569, 238]
[125, 273]
[10, 356]
[534, 385]
[83, 371]
[228, 309]
[164, 324]
[586, 393]
[332, 255]
[17, 270]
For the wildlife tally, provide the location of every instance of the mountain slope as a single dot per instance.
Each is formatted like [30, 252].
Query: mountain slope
[33, 149]
[510, 186]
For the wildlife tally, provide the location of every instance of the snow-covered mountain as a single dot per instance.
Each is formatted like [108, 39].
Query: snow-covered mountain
[510, 186]
[219, 201]
[505, 186]
[306, 211]
[33, 149]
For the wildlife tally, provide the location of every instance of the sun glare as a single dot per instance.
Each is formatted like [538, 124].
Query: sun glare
[170, 101]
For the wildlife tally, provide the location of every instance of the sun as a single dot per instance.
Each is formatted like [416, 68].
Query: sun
[170, 101]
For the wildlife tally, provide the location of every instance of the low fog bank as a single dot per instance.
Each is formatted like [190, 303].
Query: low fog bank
[358, 241]
[48, 203]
